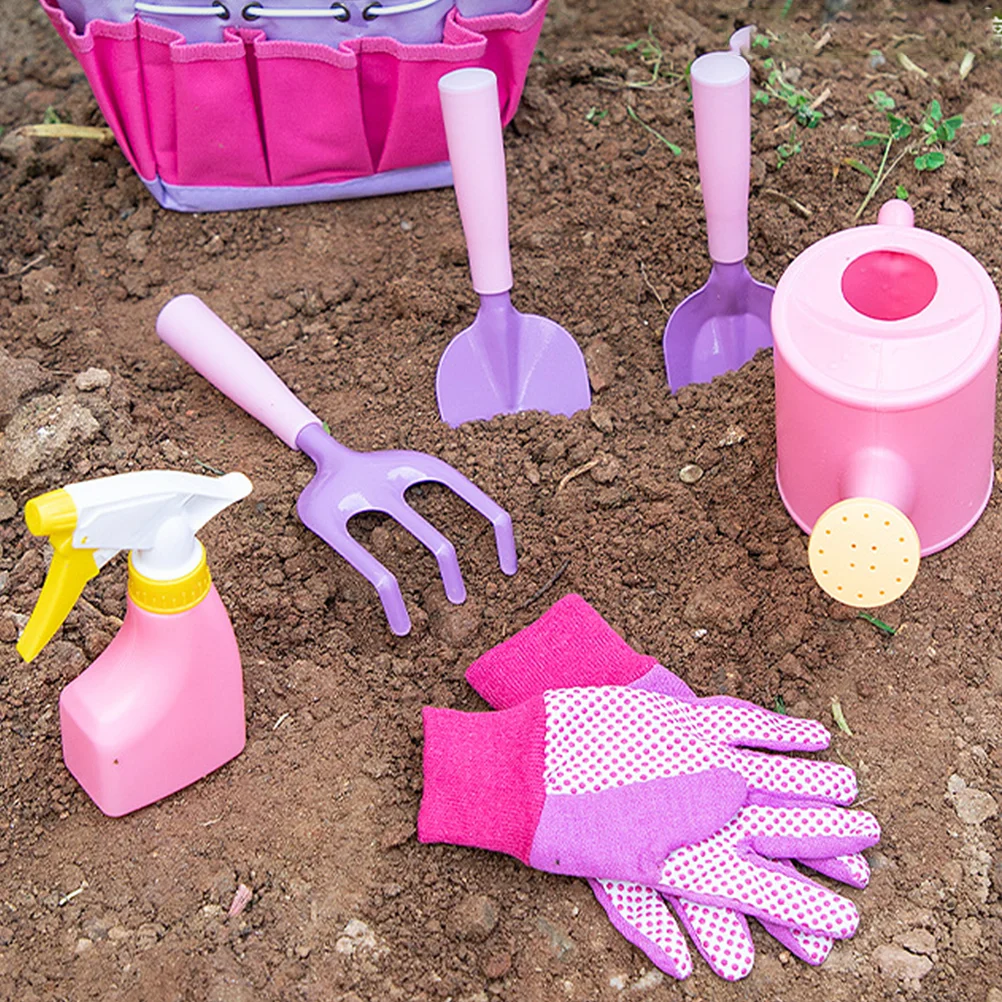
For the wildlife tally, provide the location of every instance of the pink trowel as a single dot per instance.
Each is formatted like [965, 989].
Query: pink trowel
[721, 326]
[505, 361]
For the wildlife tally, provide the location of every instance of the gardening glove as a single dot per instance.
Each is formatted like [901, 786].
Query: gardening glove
[571, 644]
[572, 759]
[595, 782]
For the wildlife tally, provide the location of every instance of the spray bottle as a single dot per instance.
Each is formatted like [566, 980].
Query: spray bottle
[163, 705]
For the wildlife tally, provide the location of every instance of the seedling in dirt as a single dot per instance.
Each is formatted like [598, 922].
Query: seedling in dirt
[986, 137]
[780, 705]
[51, 117]
[878, 623]
[595, 115]
[798, 101]
[676, 150]
[839, 717]
[652, 55]
[936, 128]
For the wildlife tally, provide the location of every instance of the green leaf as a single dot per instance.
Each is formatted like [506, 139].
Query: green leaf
[935, 112]
[51, 117]
[780, 705]
[901, 130]
[760, 42]
[861, 167]
[997, 109]
[760, 97]
[984, 139]
[595, 115]
[879, 623]
[871, 141]
[767, 63]
[901, 191]
[676, 150]
[839, 717]
[930, 161]
[882, 100]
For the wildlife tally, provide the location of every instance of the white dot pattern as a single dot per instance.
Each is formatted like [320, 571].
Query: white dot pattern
[851, 869]
[724, 869]
[722, 937]
[605, 737]
[648, 915]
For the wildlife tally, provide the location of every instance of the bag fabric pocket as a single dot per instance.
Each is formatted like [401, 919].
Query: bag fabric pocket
[250, 112]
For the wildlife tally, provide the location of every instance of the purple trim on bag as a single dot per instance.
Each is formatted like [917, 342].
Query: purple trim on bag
[414, 27]
[198, 198]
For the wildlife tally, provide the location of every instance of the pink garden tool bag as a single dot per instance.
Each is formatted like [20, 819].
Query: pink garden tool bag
[229, 104]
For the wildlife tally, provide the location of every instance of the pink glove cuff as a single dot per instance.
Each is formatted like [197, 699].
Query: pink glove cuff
[480, 768]
[570, 645]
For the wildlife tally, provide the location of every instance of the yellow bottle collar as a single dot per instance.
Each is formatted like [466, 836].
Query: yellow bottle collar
[177, 595]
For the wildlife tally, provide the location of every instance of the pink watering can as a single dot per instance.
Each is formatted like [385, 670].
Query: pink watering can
[886, 349]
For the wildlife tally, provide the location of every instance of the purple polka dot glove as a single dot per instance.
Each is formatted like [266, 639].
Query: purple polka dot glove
[572, 644]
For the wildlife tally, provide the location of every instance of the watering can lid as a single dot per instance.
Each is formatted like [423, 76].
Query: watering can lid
[886, 316]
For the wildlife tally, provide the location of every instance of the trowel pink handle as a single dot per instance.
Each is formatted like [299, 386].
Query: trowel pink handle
[232, 366]
[721, 106]
[472, 116]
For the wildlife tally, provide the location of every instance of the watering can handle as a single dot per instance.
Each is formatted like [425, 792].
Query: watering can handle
[218, 353]
[472, 116]
[721, 106]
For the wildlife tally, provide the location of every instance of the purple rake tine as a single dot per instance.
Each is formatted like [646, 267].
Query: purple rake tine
[442, 550]
[504, 533]
[373, 571]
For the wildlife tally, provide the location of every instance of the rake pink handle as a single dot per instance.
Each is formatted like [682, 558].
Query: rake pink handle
[472, 116]
[721, 106]
[232, 366]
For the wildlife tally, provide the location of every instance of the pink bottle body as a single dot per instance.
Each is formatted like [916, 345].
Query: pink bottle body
[162, 707]
[886, 353]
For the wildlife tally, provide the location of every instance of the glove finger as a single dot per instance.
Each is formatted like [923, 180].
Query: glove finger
[851, 869]
[721, 935]
[811, 947]
[643, 918]
[725, 720]
[794, 777]
[714, 873]
[807, 832]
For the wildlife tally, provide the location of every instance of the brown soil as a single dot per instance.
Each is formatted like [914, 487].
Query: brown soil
[353, 304]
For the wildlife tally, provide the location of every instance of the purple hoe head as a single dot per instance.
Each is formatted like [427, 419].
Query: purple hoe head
[348, 483]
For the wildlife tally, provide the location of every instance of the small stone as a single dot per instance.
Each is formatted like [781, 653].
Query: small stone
[212, 910]
[974, 806]
[118, 932]
[994, 995]
[83, 945]
[690, 473]
[95, 929]
[148, 934]
[919, 941]
[357, 937]
[92, 379]
[602, 419]
[895, 962]
[21, 377]
[137, 244]
[8, 630]
[601, 365]
[302, 952]
[734, 435]
[606, 471]
[6, 935]
[497, 965]
[561, 945]
[406, 225]
[531, 472]
[8, 507]
[474, 918]
[967, 937]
